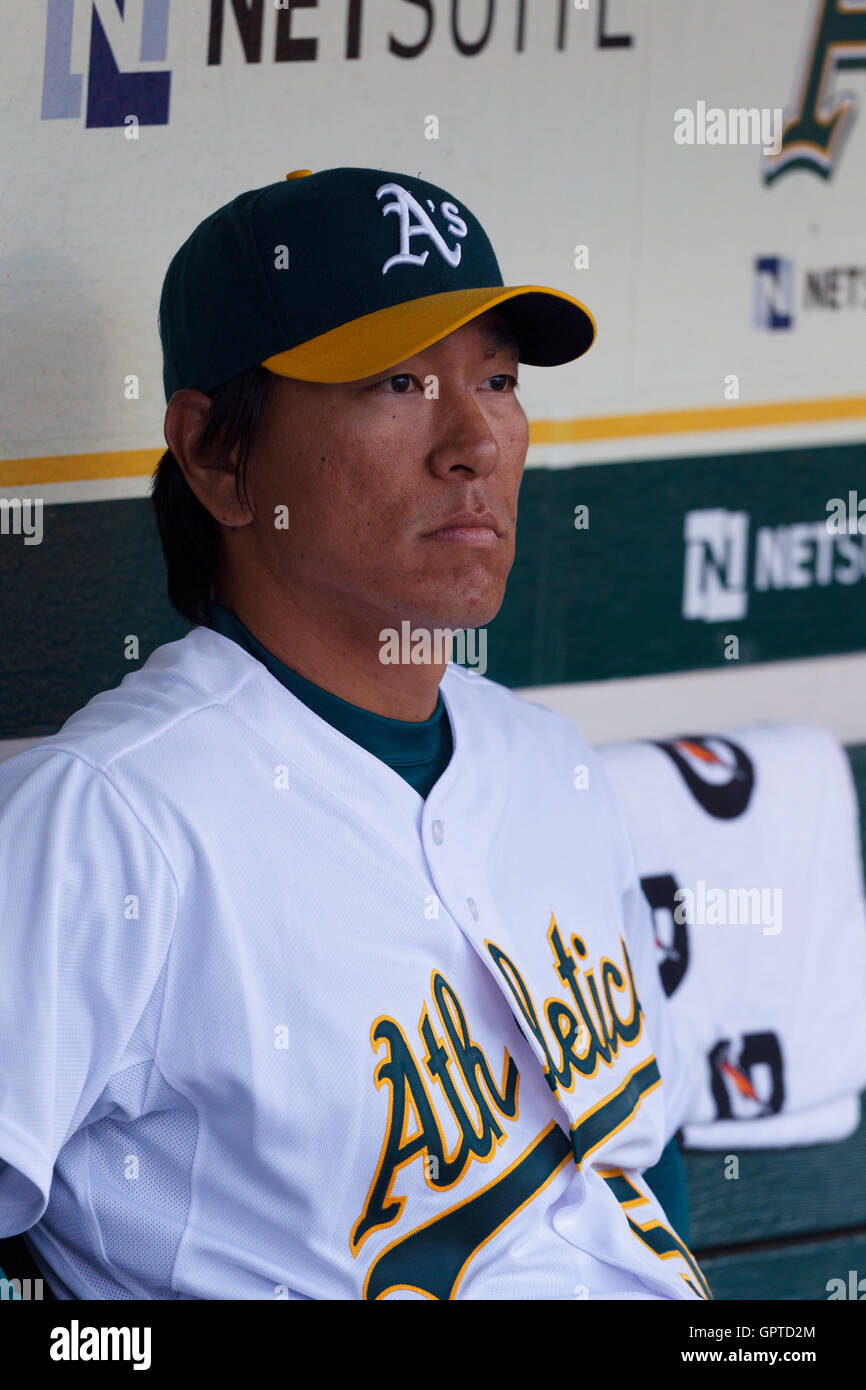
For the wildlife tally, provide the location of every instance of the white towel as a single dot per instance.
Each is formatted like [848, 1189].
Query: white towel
[766, 969]
[838, 1119]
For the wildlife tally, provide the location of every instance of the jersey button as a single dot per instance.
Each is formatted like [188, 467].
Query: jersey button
[438, 832]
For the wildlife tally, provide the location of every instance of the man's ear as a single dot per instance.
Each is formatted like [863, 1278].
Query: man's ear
[210, 475]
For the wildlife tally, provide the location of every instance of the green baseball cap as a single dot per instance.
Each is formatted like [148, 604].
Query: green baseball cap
[334, 276]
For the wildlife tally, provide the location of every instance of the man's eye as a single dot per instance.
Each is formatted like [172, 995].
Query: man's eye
[399, 390]
[401, 384]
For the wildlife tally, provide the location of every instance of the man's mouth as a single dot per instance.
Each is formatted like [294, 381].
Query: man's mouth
[468, 528]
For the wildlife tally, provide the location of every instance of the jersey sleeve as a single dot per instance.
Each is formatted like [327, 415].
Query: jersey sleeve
[87, 907]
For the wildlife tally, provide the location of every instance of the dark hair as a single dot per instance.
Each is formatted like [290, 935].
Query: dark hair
[188, 532]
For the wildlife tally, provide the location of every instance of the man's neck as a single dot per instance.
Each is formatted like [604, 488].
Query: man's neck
[337, 653]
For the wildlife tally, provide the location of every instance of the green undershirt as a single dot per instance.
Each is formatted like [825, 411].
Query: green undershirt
[419, 753]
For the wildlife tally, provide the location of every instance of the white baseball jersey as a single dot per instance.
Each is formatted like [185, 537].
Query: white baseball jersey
[279, 1027]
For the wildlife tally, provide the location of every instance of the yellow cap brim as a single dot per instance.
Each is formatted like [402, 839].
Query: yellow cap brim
[552, 328]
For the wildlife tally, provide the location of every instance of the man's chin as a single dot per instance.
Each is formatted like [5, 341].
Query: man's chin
[466, 614]
[467, 601]
[455, 601]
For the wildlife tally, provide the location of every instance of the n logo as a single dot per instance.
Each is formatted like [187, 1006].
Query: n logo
[774, 292]
[714, 582]
[819, 122]
[107, 41]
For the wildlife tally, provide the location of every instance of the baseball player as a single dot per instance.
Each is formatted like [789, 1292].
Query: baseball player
[328, 973]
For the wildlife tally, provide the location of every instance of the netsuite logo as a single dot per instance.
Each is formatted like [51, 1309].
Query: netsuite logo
[112, 46]
[774, 292]
[722, 568]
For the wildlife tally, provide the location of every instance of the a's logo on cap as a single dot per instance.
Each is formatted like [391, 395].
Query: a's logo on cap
[406, 206]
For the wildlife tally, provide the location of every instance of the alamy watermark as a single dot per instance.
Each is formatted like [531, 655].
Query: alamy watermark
[423, 646]
[22, 516]
[739, 125]
[21, 1289]
[729, 907]
[855, 1288]
[77, 1343]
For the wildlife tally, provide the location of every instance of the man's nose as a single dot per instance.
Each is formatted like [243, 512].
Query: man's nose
[463, 437]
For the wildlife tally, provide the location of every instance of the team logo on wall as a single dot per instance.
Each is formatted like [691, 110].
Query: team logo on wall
[747, 1076]
[718, 773]
[671, 934]
[97, 45]
[820, 117]
[774, 292]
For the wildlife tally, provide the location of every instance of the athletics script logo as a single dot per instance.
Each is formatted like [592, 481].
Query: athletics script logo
[819, 121]
[406, 207]
[576, 1038]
